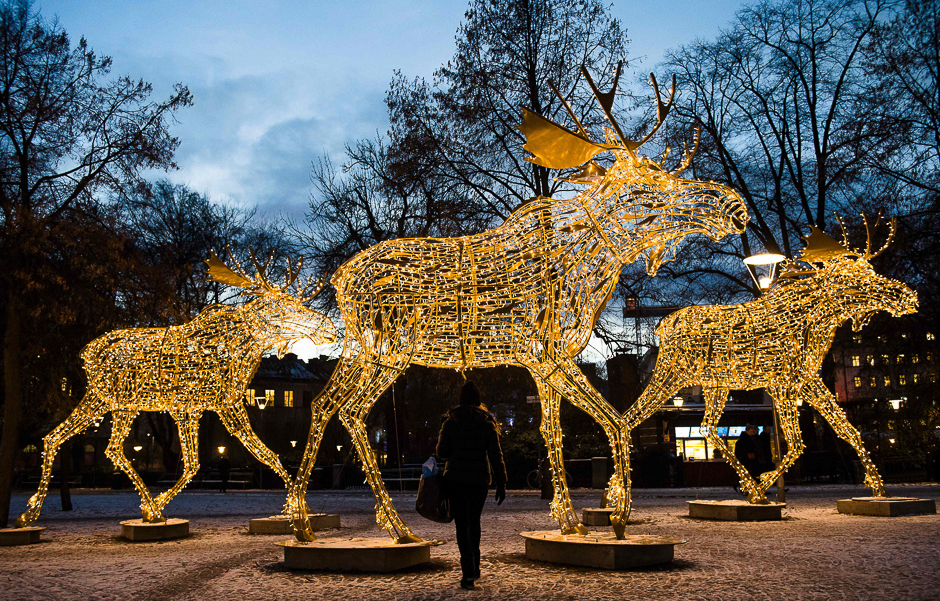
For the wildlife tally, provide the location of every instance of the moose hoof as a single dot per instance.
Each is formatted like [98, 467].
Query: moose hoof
[303, 532]
[619, 528]
[578, 529]
[407, 539]
[25, 520]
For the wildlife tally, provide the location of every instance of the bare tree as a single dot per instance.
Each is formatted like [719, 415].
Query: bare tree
[66, 134]
[462, 126]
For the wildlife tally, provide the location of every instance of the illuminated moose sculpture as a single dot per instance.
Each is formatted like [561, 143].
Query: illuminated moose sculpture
[777, 342]
[204, 365]
[526, 293]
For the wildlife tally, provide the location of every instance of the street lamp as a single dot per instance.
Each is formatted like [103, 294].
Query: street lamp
[137, 448]
[896, 403]
[763, 268]
[221, 450]
[677, 401]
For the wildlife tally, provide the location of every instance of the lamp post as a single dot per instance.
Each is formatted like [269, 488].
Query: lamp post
[762, 268]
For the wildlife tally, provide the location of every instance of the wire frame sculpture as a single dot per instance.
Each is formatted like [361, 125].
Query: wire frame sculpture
[203, 365]
[777, 342]
[526, 293]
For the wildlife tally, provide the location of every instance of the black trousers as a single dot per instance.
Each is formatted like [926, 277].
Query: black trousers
[466, 505]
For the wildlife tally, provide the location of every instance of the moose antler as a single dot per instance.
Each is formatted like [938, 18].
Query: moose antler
[820, 247]
[557, 147]
[221, 272]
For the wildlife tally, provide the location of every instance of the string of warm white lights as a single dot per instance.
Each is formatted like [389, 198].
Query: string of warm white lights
[526, 293]
[777, 342]
[204, 365]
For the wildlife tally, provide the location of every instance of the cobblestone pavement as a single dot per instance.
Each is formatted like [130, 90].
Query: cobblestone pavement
[814, 553]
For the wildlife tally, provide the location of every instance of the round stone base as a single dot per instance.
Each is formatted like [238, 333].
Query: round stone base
[356, 555]
[600, 550]
[596, 516]
[139, 530]
[886, 506]
[28, 535]
[281, 524]
[736, 511]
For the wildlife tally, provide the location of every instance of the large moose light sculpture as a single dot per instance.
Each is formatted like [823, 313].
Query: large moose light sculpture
[777, 342]
[526, 293]
[203, 365]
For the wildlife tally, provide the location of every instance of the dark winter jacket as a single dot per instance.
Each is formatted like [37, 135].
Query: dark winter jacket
[469, 442]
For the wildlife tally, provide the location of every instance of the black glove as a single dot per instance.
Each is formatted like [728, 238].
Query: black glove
[500, 494]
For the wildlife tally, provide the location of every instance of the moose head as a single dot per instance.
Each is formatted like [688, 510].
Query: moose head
[848, 278]
[643, 209]
[282, 317]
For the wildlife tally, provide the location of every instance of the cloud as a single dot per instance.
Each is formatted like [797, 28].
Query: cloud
[250, 140]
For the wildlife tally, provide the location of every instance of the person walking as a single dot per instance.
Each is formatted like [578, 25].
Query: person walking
[469, 443]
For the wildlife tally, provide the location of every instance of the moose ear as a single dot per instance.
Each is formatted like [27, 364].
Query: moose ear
[820, 247]
[220, 272]
[555, 146]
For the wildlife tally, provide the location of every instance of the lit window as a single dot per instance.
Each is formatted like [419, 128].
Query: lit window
[904, 335]
[870, 359]
[902, 379]
[885, 359]
[930, 336]
[268, 397]
[915, 358]
[915, 378]
[900, 359]
[288, 398]
[872, 382]
[857, 338]
[929, 357]
[30, 448]
[858, 382]
[250, 396]
[887, 381]
[856, 360]
[933, 378]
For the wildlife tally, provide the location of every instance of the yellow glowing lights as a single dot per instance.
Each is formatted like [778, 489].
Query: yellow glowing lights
[526, 293]
[203, 365]
[777, 342]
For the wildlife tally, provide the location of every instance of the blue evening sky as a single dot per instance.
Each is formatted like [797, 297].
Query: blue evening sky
[277, 84]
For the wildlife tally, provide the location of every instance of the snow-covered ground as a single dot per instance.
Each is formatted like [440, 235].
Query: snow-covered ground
[814, 553]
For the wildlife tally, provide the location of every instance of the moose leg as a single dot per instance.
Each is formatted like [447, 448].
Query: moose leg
[353, 414]
[347, 379]
[188, 424]
[90, 409]
[785, 406]
[120, 426]
[816, 394]
[561, 508]
[664, 383]
[715, 399]
[235, 420]
[567, 380]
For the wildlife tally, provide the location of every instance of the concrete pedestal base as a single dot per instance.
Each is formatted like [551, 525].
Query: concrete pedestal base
[600, 550]
[11, 537]
[138, 530]
[735, 511]
[356, 555]
[886, 506]
[594, 516]
[280, 524]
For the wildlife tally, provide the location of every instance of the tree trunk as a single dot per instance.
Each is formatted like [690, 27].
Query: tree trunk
[13, 403]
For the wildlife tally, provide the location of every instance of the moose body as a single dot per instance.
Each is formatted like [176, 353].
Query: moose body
[777, 342]
[526, 293]
[203, 365]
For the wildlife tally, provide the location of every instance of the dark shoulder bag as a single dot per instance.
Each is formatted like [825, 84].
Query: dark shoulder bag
[432, 502]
